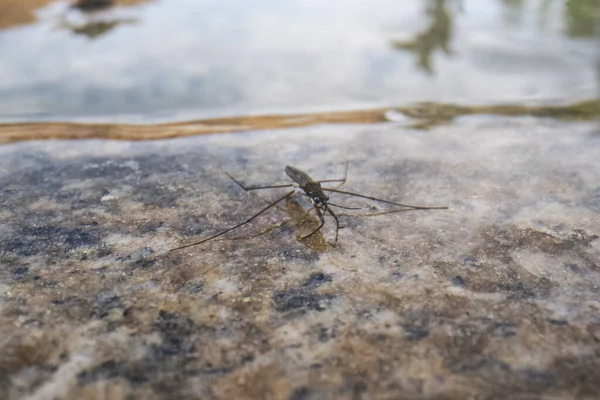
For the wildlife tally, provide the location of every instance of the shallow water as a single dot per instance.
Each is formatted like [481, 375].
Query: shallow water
[181, 59]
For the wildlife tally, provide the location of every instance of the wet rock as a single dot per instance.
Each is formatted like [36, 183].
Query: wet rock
[495, 297]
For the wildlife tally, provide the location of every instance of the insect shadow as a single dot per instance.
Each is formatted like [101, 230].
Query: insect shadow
[305, 222]
[313, 190]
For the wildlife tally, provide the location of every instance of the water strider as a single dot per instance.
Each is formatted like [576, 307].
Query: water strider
[316, 194]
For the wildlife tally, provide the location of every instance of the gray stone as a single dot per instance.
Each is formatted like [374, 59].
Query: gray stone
[495, 298]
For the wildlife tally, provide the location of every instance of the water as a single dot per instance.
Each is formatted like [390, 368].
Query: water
[181, 59]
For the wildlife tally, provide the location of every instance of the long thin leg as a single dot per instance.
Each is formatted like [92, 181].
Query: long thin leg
[344, 207]
[385, 212]
[330, 180]
[345, 176]
[384, 201]
[264, 232]
[321, 218]
[236, 226]
[343, 181]
[337, 221]
[257, 187]
[253, 194]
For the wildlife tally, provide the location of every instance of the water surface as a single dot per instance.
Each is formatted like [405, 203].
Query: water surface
[160, 61]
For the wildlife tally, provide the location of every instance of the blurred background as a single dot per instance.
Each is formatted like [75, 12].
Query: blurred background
[164, 60]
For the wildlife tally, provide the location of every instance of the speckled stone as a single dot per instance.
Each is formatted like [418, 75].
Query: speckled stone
[495, 298]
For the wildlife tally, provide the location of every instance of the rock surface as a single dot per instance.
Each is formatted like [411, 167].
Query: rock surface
[495, 298]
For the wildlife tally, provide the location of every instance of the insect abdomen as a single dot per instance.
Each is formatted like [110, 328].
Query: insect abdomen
[300, 177]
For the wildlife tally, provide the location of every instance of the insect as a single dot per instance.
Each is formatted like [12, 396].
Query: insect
[313, 190]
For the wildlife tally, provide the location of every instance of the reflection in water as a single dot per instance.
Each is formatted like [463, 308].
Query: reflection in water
[93, 5]
[514, 11]
[437, 35]
[583, 18]
[514, 3]
[197, 60]
[20, 12]
[94, 29]
[92, 18]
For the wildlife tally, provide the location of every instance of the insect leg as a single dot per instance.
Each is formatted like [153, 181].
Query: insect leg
[344, 207]
[257, 187]
[264, 232]
[343, 180]
[251, 193]
[236, 226]
[321, 218]
[337, 221]
[384, 201]
[385, 212]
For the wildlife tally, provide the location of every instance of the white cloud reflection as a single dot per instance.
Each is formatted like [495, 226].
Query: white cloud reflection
[193, 59]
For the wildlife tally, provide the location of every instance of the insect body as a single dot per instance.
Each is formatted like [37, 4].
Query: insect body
[309, 187]
[316, 194]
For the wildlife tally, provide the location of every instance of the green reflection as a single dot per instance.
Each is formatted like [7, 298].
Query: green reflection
[99, 22]
[514, 3]
[437, 36]
[94, 29]
[433, 114]
[582, 17]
